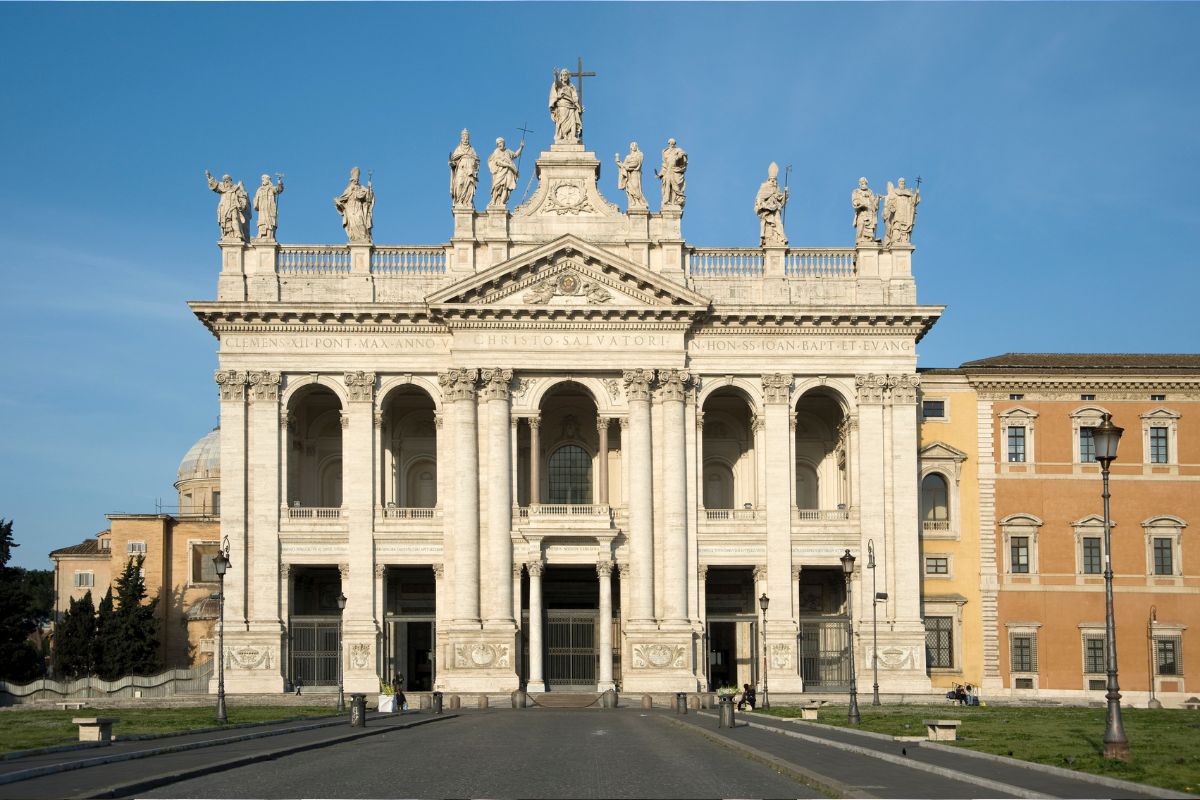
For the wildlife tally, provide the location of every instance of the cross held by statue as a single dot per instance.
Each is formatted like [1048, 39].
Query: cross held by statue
[579, 75]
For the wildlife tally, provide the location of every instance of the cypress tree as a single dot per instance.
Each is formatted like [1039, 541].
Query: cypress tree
[19, 659]
[75, 641]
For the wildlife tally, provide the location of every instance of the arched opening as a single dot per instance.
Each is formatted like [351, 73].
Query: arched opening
[731, 478]
[822, 463]
[409, 450]
[568, 465]
[935, 498]
[315, 449]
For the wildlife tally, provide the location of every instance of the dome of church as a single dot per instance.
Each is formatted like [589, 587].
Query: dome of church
[203, 460]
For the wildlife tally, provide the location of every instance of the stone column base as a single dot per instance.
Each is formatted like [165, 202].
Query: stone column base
[480, 661]
[901, 654]
[253, 663]
[783, 662]
[660, 659]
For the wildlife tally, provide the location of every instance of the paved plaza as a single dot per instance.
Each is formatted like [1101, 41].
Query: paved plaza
[544, 753]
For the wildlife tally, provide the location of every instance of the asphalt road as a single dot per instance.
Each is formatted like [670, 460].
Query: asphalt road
[544, 753]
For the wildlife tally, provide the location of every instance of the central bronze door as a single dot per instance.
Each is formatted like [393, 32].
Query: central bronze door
[571, 655]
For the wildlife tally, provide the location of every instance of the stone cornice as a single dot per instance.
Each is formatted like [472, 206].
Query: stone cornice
[826, 320]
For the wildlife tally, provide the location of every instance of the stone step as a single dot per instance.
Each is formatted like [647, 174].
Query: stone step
[566, 699]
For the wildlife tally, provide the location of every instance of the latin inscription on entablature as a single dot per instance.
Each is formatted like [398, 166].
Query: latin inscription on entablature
[723, 551]
[570, 341]
[289, 548]
[333, 343]
[408, 549]
[771, 345]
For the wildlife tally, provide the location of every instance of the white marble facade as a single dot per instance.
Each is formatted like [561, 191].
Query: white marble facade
[565, 406]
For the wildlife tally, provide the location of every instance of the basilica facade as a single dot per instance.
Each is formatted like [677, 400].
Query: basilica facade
[567, 449]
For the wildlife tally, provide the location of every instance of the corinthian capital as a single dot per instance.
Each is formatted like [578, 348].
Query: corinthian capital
[870, 388]
[458, 383]
[264, 385]
[673, 383]
[360, 386]
[637, 383]
[231, 383]
[777, 387]
[496, 383]
[904, 388]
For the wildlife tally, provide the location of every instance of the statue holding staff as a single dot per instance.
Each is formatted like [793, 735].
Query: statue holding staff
[267, 206]
[629, 176]
[866, 212]
[232, 209]
[356, 205]
[566, 110]
[464, 172]
[769, 204]
[504, 172]
[900, 213]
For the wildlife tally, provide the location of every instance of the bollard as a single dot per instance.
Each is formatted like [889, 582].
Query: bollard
[455, 702]
[483, 701]
[358, 710]
[436, 700]
[694, 703]
[647, 701]
[609, 699]
[681, 702]
[519, 698]
[725, 714]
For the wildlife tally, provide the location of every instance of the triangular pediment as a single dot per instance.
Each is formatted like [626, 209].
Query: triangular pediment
[566, 275]
[942, 451]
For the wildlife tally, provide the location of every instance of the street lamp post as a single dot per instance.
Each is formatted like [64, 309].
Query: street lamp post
[763, 602]
[341, 601]
[853, 717]
[221, 564]
[874, 624]
[1105, 437]
[1154, 701]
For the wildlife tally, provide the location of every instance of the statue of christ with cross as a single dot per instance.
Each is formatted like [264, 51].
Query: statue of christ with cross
[566, 105]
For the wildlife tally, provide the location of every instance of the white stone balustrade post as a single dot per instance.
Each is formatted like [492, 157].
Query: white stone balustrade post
[641, 510]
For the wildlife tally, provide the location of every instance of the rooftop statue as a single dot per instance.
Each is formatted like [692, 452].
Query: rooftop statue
[674, 165]
[769, 204]
[504, 173]
[566, 110]
[233, 208]
[356, 205]
[266, 203]
[629, 176]
[464, 172]
[900, 213]
[866, 212]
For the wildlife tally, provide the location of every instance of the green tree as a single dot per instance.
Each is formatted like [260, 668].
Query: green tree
[75, 640]
[20, 661]
[128, 632]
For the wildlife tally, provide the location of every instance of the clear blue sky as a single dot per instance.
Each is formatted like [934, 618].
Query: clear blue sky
[1056, 142]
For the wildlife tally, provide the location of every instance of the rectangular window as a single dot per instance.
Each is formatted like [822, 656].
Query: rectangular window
[1087, 446]
[1091, 555]
[939, 642]
[1016, 397]
[937, 565]
[1093, 654]
[1164, 562]
[1097, 685]
[933, 409]
[203, 569]
[1019, 554]
[216, 509]
[105, 544]
[1166, 655]
[1087, 397]
[1158, 446]
[135, 547]
[1016, 443]
[84, 579]
[1023, 683]
[1158, 398]
[1024, 652]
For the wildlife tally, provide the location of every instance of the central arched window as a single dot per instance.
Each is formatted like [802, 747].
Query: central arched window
[934, 498]
[570, 475]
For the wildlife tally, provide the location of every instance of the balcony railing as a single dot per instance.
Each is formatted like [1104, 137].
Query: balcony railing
[730, 514]
[408, 260]
[391, 512]
[314, 513]
[823, 514]
[823, 263]
[594, 511]
[306, 259]
[725, 262]
[935, 525]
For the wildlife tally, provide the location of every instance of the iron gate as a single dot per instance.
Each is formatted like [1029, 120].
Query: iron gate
[571, 657]
[825, 654]
[314, 651]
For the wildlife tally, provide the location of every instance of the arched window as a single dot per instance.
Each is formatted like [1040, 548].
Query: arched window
[421, 486]
[570, 473]
[935, 499]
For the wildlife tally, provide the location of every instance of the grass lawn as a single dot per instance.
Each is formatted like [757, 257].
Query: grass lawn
[23, 729]
[1164, 743]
